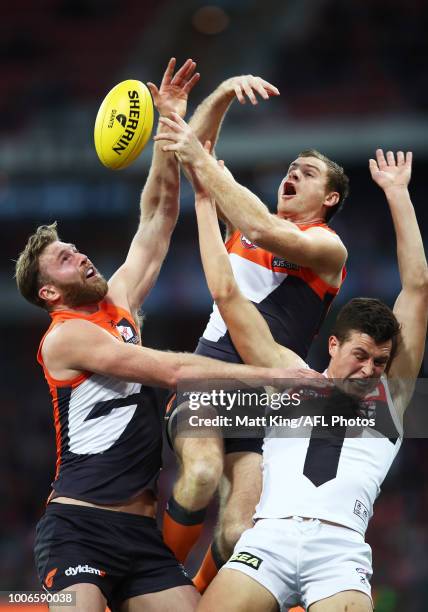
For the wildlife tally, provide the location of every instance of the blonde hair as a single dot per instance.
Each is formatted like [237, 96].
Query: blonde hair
[27, 272]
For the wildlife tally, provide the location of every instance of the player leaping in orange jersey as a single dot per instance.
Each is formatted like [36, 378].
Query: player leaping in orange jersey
[307, 545]
[98, 536]
[291, 265]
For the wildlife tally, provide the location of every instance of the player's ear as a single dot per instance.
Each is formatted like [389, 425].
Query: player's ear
[333, 346]
[331, 199]
[49, 293]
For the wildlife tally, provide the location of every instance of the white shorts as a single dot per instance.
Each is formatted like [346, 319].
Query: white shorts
[301, 561]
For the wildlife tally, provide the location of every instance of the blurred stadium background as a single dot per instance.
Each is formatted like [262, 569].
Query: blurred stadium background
[352, 77]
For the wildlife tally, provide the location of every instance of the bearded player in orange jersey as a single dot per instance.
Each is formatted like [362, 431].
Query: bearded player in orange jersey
[98, 537]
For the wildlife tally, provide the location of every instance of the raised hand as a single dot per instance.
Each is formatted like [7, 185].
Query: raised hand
[175, 88]
[248, 86]
[184, 142]
[390, 172]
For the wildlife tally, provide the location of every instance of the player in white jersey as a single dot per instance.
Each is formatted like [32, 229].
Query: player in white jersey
[308, 545]
[291, 265]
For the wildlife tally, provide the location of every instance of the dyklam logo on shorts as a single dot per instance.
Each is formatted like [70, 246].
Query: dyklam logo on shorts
[83, 569]
[246, 559]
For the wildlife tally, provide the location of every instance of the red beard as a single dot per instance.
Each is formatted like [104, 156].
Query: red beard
[84, 292]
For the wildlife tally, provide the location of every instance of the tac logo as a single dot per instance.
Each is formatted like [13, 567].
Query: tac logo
[246, 559]
[127, 332]
[247, 244]
[49, 578]
[122, 119]
[84, 569]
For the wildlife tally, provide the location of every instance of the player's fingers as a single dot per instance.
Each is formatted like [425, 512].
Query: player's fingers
[170, 147]
[178, 120]
[153, 89]
[409, 158]
[260, 89]
[169, 72]
[390, 158]
[400, 158]
[270, 88]
[186, 69]
[190, 84]
[380, 158]
[249, 93]
[170, 123]
[165, 136]
[239, 94]
[373, 166]
[207, 146]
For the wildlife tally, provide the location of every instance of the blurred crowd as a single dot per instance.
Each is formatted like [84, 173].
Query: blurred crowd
[333, 60]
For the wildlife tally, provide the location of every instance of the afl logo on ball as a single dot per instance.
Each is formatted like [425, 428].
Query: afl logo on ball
[247, 244]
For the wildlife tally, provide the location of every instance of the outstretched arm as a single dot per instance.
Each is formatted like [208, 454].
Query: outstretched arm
[316, 248]
[249, 331]
[411, 307]
[159, 204]
[207, 120]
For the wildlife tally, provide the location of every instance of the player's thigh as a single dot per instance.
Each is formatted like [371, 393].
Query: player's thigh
[244, 473]
[234, 591]
[88, 598]
[177, 599]
[346, 601]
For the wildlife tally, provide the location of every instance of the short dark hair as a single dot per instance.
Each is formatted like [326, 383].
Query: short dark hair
[27, 271]
[369, 316]
[336, 180]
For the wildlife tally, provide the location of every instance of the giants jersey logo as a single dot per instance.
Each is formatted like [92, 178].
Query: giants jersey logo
[127, 332]
[247, 244]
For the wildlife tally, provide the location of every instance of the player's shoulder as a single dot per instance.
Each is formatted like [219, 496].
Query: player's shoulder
[328, 236]
[64, 335]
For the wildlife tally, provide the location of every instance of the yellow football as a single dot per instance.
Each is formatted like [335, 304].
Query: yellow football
[124, 124]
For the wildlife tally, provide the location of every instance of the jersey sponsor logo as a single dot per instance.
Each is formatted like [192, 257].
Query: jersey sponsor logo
[247, 559]
[127, 332]
[247, 244]
[364, 574]
[361, 510]
[279, 262]
[84, 569]
[49, 578]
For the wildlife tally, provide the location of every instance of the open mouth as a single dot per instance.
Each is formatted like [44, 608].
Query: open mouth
[90, 272]
[288, 189]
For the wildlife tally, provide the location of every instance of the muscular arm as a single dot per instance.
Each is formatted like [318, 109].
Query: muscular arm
[250, 333]
[316, 247]
[207, 120]
[159, 203]
[80, 346]
[411, 306]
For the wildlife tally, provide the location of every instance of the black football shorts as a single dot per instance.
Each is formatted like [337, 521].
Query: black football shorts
[121, 553]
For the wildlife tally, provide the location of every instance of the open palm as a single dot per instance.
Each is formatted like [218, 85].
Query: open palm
[390, 172]
[174, 90]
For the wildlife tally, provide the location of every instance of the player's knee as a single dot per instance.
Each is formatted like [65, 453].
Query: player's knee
[204, 473]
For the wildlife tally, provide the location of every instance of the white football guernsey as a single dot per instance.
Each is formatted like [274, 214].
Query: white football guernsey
[335, 479]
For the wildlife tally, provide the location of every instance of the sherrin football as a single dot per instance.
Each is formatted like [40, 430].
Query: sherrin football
[124, 124]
